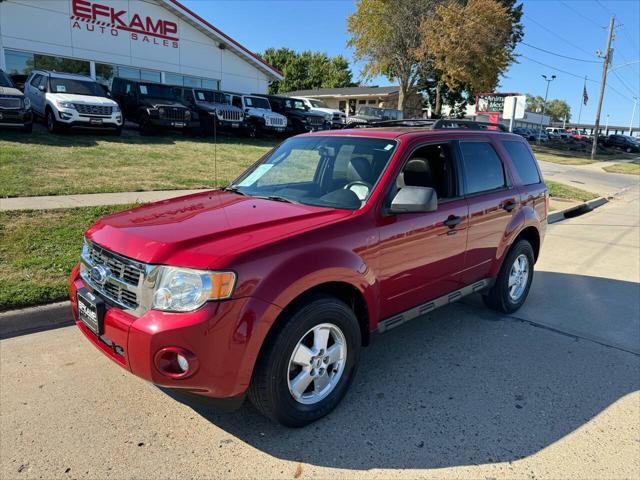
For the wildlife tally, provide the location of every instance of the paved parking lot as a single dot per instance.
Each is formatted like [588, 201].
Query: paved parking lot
[552, 392]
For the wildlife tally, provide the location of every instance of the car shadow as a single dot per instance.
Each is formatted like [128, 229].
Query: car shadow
[130, 135]
[462, 386]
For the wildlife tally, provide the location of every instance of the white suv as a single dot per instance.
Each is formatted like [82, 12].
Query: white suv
[337, 118]
[67, 100]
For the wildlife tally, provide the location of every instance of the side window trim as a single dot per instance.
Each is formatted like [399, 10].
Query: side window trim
[508, 183]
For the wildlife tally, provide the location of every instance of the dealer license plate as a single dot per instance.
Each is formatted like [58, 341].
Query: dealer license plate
[95, 121]
[91, 311]
[178, 124]
[0, 115]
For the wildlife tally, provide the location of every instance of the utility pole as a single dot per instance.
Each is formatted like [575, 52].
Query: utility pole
[544, 105]
[633, 114]
[605, 66]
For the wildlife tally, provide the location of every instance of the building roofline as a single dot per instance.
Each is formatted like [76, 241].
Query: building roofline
[236, 46]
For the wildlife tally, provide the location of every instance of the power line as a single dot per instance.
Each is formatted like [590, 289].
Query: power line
[624, 83]
[580, 14]
[624, 30]
[557, 35]
[560, 55]
[581, 77]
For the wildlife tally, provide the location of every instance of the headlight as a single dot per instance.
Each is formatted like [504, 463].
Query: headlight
[66, 105]
[116, 108]
[187, 115]
[184, 289]
[26, 102]
[328, 117]
[161, 111]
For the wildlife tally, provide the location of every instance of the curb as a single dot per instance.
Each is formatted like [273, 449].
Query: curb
[35, 319]
[576, 210]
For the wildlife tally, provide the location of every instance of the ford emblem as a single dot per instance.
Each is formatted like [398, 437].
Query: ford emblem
[100, 274]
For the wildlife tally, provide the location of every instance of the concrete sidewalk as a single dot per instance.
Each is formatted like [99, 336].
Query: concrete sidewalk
[89, 200]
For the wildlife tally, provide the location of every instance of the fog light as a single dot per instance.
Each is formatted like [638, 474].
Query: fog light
[176, 362]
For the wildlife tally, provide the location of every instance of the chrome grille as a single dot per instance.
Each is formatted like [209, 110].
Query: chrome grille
[316, 121]
[230, 115]
[125, 275]
[10, 102]
[84, 109]
[173, 113]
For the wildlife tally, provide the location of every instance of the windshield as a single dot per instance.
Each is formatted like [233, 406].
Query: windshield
[257, 102]
[294, 104]
[76, 87]
[371, 112]
[157, 91]
[318, 104]
[337, 172]
[5, 81]
[211, 97]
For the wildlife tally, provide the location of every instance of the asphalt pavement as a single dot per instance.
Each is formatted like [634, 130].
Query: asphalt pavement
[550, 392]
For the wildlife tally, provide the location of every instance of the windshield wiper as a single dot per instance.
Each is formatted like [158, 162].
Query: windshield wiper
[277, 198]
[234, 189]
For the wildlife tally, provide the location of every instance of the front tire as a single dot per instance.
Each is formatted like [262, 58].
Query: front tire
[53, 126]
[512, 285]
[308, 363]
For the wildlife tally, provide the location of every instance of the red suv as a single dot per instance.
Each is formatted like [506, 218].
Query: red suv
[271, 286]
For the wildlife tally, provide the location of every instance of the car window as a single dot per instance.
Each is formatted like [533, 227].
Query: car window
[483, 170]
[35, 81]
[523, 161]
[5, 81]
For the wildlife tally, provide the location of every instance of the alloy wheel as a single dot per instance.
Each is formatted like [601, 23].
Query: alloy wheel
[518, 277]
[317, 363]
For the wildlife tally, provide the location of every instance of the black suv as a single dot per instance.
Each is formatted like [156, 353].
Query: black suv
[367, 115]
[624, 142]
[153, 106]
[15, 108]
[213, 107]
[299, 118]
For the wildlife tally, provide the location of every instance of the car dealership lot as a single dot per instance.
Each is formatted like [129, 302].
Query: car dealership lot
[466, 393]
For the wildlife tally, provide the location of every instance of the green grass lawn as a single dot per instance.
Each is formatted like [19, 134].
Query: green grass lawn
[632, 167]
[563, 191]
[45, 164]
[571, 157]
[38, 249]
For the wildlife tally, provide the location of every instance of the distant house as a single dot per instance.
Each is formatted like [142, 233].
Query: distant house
[348, 99]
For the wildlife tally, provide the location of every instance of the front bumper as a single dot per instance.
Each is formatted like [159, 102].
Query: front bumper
[73, 118]
[15, 117]
[164, 123]
[224, 336]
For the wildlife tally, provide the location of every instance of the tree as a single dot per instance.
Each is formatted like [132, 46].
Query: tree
[534, 103]
[558, 110]
[307, 70]
[385, 34]
[467, 55]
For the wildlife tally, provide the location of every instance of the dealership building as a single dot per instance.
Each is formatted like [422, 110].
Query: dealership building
[152, 40]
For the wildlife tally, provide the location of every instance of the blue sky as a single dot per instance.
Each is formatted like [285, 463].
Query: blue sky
[578, 26]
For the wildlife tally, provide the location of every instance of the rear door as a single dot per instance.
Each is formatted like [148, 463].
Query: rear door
[493, 201]
[36, 95]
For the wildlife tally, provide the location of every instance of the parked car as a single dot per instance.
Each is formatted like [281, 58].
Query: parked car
[337, 118]
[270, 287]
[623, 142]
[299, 118]
[259, 118]
[15, 108]
[560, 132]
[367, 115]
[213, 108]
[66, 100]
[541, 133]
[153, 106]
[523, 132]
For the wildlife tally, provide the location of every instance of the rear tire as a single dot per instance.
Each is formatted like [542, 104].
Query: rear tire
[512, 285]
[313, 354]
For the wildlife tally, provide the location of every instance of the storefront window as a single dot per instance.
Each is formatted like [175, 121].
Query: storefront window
[105, 74]
[210, 84]
[173, 79]
[131, 73]
[150, 76]
[21, 63]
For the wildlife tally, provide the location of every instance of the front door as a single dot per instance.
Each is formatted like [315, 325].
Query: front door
[422, 254]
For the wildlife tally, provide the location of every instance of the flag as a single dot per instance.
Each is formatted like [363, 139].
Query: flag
[585, 95]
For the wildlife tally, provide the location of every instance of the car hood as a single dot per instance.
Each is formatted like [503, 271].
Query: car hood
[160, 102]
[9, 91]
[264, 113]
[205, 230]
[221, 107]
[332, 111]
[83, 99]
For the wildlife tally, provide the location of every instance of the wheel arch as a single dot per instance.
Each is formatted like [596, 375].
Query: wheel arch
[532, 235]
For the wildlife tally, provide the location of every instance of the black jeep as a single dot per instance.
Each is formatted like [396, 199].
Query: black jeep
[15, 108]
[153, 106]
[299, 118]
[367, 115]
[214, 109]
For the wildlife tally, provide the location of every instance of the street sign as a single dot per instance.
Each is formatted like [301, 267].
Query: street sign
[514, 107]
[491, 102]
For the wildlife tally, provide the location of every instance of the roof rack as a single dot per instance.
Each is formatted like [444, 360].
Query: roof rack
[435, 124]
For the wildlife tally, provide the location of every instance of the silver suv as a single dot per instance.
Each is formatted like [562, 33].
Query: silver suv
[259, 118]
[67, 100]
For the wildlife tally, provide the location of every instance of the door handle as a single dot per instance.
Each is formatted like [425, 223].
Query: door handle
[452, 221]
[509, 205]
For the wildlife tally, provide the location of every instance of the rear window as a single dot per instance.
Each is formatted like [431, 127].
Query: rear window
[523, 161]
[483, 168]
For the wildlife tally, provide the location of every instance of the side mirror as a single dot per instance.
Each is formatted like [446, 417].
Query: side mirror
[414, 200]
[41, 88]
